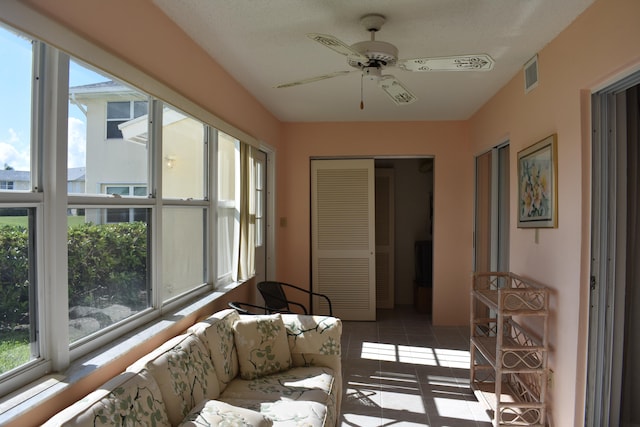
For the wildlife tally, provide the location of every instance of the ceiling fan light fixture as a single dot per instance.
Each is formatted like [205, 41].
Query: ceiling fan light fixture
[376, 51]
[372, 73]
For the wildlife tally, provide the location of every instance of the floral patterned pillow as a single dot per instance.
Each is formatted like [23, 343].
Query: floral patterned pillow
[185, 376]
[262, 346]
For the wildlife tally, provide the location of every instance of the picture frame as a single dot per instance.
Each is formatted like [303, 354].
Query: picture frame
[538, 184]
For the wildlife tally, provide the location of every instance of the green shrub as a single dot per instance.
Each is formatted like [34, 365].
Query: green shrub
[14, 276]
[107, 265]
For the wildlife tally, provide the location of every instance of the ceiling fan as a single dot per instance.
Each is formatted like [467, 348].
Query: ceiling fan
[371, 57]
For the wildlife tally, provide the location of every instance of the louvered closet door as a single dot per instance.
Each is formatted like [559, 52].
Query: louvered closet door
[343, 236]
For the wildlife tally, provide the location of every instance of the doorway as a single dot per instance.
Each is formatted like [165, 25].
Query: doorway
[613, 377]
[412, 190]
[491, 236]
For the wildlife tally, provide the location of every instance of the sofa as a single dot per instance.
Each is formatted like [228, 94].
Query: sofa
[229, 370]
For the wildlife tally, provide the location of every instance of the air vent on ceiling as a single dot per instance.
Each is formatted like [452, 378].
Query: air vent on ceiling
[531, 74]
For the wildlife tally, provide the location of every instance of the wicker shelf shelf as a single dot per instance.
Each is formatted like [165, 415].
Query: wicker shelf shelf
[508, 362]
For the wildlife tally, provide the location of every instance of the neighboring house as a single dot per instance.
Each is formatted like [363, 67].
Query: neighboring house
[15, 180]
[21, 180]
[117, 126]
[111, 161]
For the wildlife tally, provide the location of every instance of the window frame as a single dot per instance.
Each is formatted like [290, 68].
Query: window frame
[50, 124]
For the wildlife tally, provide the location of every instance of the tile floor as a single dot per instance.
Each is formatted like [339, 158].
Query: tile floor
[402, 371]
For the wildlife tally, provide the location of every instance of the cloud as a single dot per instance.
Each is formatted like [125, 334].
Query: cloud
[77, 149]
[14, 153]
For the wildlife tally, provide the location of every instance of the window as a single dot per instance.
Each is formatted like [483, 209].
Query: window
[18, 285]
[184, 257]
[184, 156]
[108, 271]
[19, 320]
[120, 112]
[184, 191]
[123, 160]
[129, 235]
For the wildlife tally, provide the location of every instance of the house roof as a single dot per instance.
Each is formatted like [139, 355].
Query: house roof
[73, 174]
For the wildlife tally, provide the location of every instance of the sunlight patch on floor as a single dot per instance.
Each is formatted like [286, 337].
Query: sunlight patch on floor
[416, 355]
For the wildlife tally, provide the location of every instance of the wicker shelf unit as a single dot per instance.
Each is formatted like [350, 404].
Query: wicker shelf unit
[509, 362]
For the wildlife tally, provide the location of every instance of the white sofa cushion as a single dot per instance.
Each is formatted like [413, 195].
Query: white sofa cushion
[129, 399]
[217, 413]
[186, 377]
[290, 413]
[262, 345]
[216, 332]
[313, 384]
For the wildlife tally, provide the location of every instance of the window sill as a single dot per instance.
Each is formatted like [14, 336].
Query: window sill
[16, 404]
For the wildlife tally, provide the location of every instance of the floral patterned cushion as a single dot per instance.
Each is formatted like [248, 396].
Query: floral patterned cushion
[309, 384]
[286, 413]
[217, 413]
[130, 399]
[216, 333]
[186, 377]
[314, 340]
[262, 346]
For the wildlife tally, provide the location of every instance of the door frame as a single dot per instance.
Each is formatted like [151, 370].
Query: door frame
[608, 231]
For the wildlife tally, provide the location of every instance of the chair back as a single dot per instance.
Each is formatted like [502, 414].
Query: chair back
[274, 296]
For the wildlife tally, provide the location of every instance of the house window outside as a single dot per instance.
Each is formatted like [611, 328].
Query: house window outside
[6, 185]
[119, 112]
[115, 215]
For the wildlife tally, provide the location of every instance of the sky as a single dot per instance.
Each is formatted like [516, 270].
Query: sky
[15, 104]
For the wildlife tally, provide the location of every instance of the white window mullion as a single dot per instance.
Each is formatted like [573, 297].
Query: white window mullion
[155, 180]
[52, 137]
[212, 201]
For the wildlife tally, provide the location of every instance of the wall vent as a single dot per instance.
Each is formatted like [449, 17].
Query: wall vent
[531, 74]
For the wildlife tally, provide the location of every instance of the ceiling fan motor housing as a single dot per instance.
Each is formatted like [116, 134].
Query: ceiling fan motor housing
[379, 53]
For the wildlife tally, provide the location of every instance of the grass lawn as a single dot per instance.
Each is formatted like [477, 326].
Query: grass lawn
[22, 220]
[14, 350]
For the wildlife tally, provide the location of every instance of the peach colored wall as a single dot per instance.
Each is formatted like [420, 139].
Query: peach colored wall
[602, 42]
[453, 196]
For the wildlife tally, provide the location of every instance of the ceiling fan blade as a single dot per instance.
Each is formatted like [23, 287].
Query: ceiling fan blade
[398, 93]
[481, 62]
[338, 46]
[314, 79]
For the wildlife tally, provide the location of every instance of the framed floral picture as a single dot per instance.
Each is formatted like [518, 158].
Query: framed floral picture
[538, 185]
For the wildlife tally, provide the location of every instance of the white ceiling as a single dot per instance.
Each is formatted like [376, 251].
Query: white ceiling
[263, 43]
